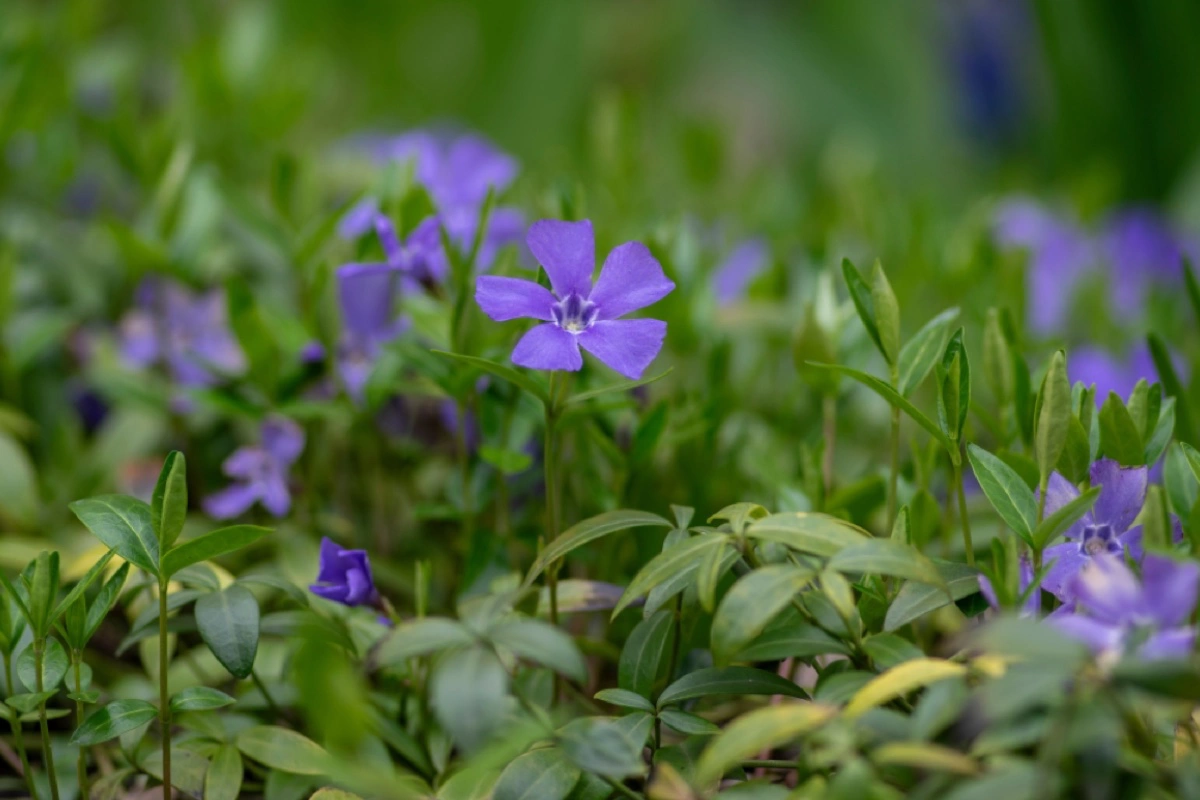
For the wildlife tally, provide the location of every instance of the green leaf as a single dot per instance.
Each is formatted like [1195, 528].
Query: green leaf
[887, 557]
[900, 680]
[168, 507]
[200, 698]
[43, 588]
[915, 600]
[921, 352]
[111, 721]
[708, 575]
[124, 525]
[210, 545]
[1160, 435]
[887, 313]
[797, 640]
[507, 462]
[1063, 518]
[624, 699]
[888, 650]
[864, 301]
[588, 531]
[924, 756]
[80, 587]
[1193, 458]
[19, 501]
[602, 747]
[87, 697]
[519, 379]
[758, 730]
[28, 701]
[223, 781]
[644, 653]
[1119, 436]
[690, 552]
[1006, 491]
[228, 624]
[542, 644]
[283, 749]
[889, 394]
[1077, 452]
[807, 532]
[727, 680]
[469, 695]
[54, 666]
[623, 386]
[954, 389]
[751, 604]
[687, 724]
[542, 774]
[1054, 409]
[420, 638]
[1173, 387]
[1178, 679]
[105, 600]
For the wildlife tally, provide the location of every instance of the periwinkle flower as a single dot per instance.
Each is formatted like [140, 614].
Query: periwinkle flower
[735, 274]
[260, 472]
[1115, 614]
[367, 296]
[575, 312]
[1111, 372]
[344, 576]
[1105, 530]
[185, 331]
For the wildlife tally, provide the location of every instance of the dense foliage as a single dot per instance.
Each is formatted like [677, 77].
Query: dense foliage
[393, 465]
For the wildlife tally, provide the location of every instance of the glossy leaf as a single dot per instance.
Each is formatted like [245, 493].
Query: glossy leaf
[168, 506]
[282, 749]
[228, 623]
[807, 532]
[1054, 409]
[644, 654]
[1120, 439]
[625, 699]
[200, 698]
[923, 350]
[210, 545]
[863, 299]
[1006, 491]
[113, 720]
[727, 680]
[750, 605]
[689, 552]
[124, 525]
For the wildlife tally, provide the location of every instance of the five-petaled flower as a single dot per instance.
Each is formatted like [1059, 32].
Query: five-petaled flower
[1103, 530]
[1115, 614]
[575, 312]
[261, 472]
[344, 576]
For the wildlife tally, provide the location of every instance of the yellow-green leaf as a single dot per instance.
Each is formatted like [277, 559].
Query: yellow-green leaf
[901, 680]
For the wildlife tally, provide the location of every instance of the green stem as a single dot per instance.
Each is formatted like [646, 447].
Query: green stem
[623, 790]
[962, 511]
[164, 698]
[894, 476]
[829, 430]
[464, 464]
[18, 734]
[1043, 486]
[76, 660]
[673, 662]
[769, 763]
[270, 701]
[39, 652]
[550, 462]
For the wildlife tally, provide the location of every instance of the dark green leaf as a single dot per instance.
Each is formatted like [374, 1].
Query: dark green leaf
[104, 601]
[1006, 491]
[644, 654]
[210, 545]
[727, 680]
[168, 507]
[1119, 436]
[124, 525]
[864, 302]
[887, 650]
[517, 378]
[954, 390]
[687, 724]
[796, 640]
[1165, 367]
[624, 699]
[228, 623]
[113, 720]
[1054, 409]
[921, 352]
[915, 600]
[751, 604]
[200, 698]
[588, 531]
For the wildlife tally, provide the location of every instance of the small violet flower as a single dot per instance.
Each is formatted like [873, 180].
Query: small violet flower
[1105, 530]
[735, 274]
[575, 312]
[1120, 615]
[367, 296]
[261, 472]
[344, 576]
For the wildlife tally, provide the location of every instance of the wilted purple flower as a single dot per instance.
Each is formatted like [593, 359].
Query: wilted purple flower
[367, 295]
[1033, 604]
[261, 472]
[344, 576]
[1121, 614]
[577, 313]
[1102, 531]
[187, 332]
[743, 265]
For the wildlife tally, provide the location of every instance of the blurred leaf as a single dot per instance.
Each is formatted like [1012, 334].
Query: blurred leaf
[113, 720]
[623, 386]
[921, 352]
[751, 604]
[602, 747]
[1173, 386]
[228, 624]
[819, 534]
[54, 666]
[282, 749]
[588, 531]
[642, 658]
[420, 638]
[795, 640]
[756, 731]
[124, 524]
[18, 484]
[687, 724]
[223, 781]
[888, 650]
[469, 694]
[708, 575]
[900, 680]
[924, 756]
[1174, 678]
[542, 774]
[864, 301]
[727, 680]
[519, 379]
[542, 644]
[1163, 431]
[954, 389]
[507, 462]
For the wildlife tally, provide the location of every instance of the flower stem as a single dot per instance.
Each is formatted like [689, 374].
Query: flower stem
[829, 431]
[18, 734]
[39, 653]
[464, 463]
[164, 699]
[76, 659]
[894, 475]
[550, 462]
[963, 515]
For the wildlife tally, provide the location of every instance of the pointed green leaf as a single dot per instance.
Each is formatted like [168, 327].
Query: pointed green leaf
[887, 557]
[542, 774]
[915, 600]
[421, 637]
[168, 507]
[1120, 439]
[588, 531]
[807, 532]
[922, 351]
[864, 302]
[1054, 409]
[210, 545]
[954, 390]
[625, 699]
[758, 730]
[113, 720]
[228, 624]
[124, 525]
[623, 386]
[713, 681]
[750, 605]
[200, 698]
[690, 552]
[542, 644]
[644, 654]
[1173, 387]
[80, 587]
[1060, 520]
[283, 749]
[1006, 491]
[223, 781]
[517, 378]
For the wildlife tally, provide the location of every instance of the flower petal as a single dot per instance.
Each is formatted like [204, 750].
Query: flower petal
[512, 298]
[358, 587]
[1169, 589]
[1067, 561]
[283, 439]
[626, 345]
[631, 278]
[389, 240]
[245, 462]
[358, 219]
[275, 495]
[1059, 492]
[366, 294]
[231, 502]
[1098, 636]
[331, 568]
[1108, 590]
[1122, 493]
[742, 266]
[1172, 644]
[567, 251]
[548, 346]
[335, 592]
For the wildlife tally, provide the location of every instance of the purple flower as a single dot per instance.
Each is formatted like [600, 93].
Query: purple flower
[1121, 614]
[744, 264]
[344, 576]
[1141, 248]
[367, 296]
[1102, 531]
[187, 332]
[260, 472]
[1033, 603]
[577, 313]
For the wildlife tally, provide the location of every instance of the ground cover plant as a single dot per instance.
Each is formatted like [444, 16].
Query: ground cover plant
[347, 452]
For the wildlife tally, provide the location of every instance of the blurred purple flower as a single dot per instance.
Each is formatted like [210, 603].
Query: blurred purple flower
[987, 51]
[1105, 530]
[735, 274]
[1121, 614]
[1033, 604]
[579, 313]
[344, 576]
[187, 332]
[1140, 246]
[367, 296]
[261, 472]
